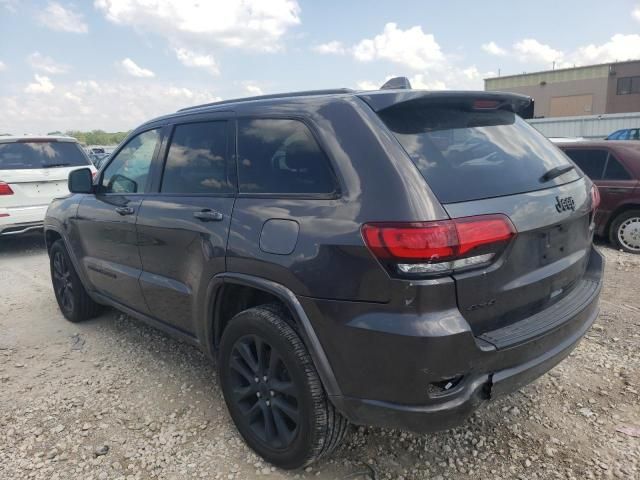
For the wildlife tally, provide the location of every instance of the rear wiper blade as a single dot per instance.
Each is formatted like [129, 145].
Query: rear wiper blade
[53, 165]
[556, 172]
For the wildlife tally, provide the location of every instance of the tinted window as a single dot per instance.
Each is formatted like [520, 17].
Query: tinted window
[197, 160]
[129, 169]
[591, 162]
[467, 155]
[615, 170]
[25, 155]
[281, 156]
[624, 86]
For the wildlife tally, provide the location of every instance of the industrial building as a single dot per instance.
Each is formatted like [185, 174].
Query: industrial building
[581, 91]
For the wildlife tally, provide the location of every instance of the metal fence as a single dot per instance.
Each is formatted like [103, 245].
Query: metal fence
[591, 126]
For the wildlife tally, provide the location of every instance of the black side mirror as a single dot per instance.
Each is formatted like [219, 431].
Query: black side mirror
[81, 181]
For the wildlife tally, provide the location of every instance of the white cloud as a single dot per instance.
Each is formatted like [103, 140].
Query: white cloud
[619, 48]
[197, 60]
[253, 89]
[530, 50]
[493, 48]
[46, 64]
[252, 24]
[449, 77]
[411, 48]
[42, 84]
[334, 47]
[90, 104]
[9, 5]
[3, 66]
[636, 13]
[134, 70]
[63, 19]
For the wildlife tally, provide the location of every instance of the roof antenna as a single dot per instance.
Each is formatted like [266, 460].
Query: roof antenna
[397, 83]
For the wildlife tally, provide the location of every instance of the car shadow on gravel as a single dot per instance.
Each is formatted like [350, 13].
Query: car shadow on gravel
[27, 244]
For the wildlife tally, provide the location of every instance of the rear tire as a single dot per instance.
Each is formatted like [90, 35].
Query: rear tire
[71, 296]
[273, 391]
[625, 231]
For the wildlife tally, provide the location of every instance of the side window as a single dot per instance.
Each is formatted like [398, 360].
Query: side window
[129, 169]
[197, 160]
[615, 170]
[281, 156]
[591, 162]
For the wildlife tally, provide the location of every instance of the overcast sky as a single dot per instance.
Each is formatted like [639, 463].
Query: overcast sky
[112, 64]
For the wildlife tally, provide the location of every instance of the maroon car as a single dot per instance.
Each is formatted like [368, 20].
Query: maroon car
[614, 166]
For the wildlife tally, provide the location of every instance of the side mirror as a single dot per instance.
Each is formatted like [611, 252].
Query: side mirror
[81, 181]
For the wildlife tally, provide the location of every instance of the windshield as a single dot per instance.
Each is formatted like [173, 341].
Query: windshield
[25, 155]
[470, 155]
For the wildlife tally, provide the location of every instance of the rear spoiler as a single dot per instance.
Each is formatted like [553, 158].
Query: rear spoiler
[380, 100]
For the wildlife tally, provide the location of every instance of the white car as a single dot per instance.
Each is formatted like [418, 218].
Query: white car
[34, 171]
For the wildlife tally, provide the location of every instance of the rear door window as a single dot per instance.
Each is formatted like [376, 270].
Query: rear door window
[590, 161]
[468, 155]
[615, 170]
[197, 161]
[26, 155]
[280, 156]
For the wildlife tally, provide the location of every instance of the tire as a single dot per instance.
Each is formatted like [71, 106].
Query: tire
[71, 296]
[624, 232]
[260, 389]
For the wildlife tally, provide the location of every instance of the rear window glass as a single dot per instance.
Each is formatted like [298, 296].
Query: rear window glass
[470, 155]
[281, 156]
[24, 155]
[615, 170]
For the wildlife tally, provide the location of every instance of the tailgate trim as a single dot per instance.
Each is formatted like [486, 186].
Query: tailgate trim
[550, 318]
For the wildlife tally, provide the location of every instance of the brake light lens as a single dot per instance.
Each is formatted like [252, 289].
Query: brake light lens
[439, 247]
[5, 189]
[595, 197]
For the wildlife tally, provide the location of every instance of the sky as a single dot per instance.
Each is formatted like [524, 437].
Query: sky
[113, 64]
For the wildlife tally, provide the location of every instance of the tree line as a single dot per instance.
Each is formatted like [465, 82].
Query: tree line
[94, 137]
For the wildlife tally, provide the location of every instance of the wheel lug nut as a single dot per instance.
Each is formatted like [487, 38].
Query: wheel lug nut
[272, 393]
[268, 403]
[256, 379]
[265, 378]
[258, 394]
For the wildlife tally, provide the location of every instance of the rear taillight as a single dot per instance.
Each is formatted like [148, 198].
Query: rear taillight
[595, 197]
[441, 247]
[5, 189]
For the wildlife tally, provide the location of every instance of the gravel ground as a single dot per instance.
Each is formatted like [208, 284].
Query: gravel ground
[114, 399]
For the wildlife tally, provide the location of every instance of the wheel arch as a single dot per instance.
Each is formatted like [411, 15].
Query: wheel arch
[616, 213]
[223, 284]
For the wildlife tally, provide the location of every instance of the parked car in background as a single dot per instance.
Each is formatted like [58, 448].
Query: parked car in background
[391, 258]
[614, 166]
[625, 134]
[33, 171]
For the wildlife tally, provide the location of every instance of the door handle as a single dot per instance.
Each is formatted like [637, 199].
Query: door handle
[125, 210]
[208, 216]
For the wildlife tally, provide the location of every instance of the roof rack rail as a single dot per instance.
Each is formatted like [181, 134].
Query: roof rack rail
[394, 83]
[305, 93]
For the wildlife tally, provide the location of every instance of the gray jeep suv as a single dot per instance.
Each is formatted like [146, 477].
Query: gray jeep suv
[391, 258]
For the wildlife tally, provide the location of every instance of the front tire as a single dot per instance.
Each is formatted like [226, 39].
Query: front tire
[625, 231]
[73, 300]
[273, 391]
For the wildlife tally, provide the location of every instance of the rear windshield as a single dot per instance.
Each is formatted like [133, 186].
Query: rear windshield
[24, 155]
[470, 155]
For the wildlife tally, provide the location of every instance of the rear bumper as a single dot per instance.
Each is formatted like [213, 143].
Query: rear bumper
[16, 220]
[478, 369]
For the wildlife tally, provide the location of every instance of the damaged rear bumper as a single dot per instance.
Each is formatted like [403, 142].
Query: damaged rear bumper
[500, 369]
[464, 399]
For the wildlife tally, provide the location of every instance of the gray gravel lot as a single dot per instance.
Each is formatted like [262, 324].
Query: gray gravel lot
[114, 399]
